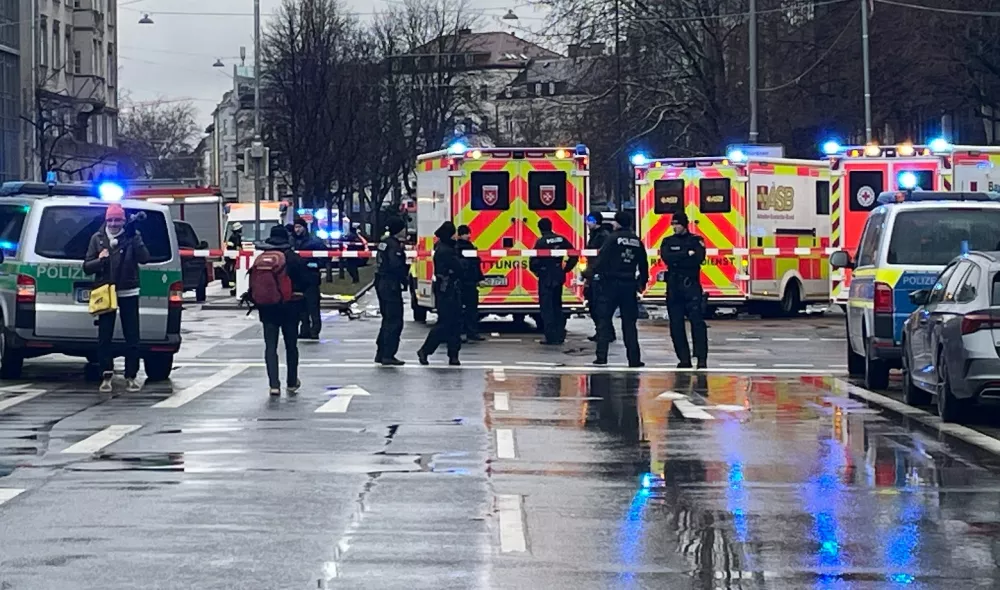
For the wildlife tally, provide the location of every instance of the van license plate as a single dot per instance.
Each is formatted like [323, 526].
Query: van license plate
[83, 295]
[495, 281]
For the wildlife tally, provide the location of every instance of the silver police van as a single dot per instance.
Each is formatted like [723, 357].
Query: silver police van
[44, 293]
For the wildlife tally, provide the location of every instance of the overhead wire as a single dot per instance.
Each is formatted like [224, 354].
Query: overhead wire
[815, 65]
[956, 11]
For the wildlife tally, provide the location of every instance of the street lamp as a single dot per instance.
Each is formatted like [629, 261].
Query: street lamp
[145, 20]
[510, 15]
[218, 63]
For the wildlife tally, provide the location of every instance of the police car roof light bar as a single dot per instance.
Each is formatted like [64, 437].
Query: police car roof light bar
[890, 197]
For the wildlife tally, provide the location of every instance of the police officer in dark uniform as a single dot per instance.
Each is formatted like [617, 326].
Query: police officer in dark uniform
[598, 233]
[447, 297]
[472, 274]
[310, 319]
[551, 273]
[619, 274]
[683, 253]
[391, 277]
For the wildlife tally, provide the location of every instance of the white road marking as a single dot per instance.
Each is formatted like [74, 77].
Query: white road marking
[358, 361]
[202, 387]
[27, 393]
[492, 339]
[190, 350]
[737, 365]
[726, 407]
[511, 514]
[537, 364]
[501, 401]
[499, 375]
[742, 339]
[833, 339]
[474, 366]
[505, 444]
[793, 366]
[341, 400]
[8, 494]
[838, 366]
[671, 395]
[98, 441]
[790, 339]
[691, 411]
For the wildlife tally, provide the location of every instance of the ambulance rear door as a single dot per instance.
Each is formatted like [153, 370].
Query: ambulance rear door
[660, 194]
[715, 201]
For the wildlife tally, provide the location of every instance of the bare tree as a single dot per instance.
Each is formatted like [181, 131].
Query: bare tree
[157, 139]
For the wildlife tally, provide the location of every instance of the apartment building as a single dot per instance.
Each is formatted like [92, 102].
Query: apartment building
[69, 78]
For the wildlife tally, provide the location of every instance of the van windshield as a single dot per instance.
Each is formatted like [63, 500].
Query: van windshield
[932, 237]
[64, 232]
[249, 233]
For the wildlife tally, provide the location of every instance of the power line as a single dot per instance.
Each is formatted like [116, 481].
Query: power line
[815, 65]
[940, 10]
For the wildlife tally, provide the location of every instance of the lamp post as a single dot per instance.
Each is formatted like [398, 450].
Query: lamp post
[257, 146]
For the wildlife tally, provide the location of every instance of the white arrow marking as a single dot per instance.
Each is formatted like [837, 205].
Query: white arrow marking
[505, 444]
[98, 441]
[501, 401]
[691, 411]
[671, 395]
[512, 539]
[27, 393]
[202, 387]
[341, 400]
[8, 494]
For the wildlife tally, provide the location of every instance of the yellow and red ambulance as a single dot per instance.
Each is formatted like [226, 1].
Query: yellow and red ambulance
[859, 175]
[501, 194]
[974, 168]
[765, 222]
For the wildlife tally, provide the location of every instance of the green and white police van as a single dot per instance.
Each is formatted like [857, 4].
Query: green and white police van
[44, 293]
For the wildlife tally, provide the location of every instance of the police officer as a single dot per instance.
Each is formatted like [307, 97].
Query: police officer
[391, 277]
[683, 253]
[472, 274]
[447, 297]
[551, 273]
[619, 274]
[310, 320]
[598, 233]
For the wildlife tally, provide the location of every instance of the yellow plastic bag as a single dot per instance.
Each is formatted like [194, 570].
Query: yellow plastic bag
[103, 299]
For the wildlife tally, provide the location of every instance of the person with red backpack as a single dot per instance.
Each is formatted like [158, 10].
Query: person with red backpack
[278, 278]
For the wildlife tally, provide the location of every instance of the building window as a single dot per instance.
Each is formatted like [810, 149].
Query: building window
[69, 49]
[57, 50]
[77, 62]
[112, 73]
[76, 3]
[552, 88]
[538, 88]
[44, 59]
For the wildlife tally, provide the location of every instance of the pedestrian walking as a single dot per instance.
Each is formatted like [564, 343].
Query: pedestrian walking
[551, 272]
[113, 257]
[310, 319]
[391, 277]
[598, 233]
[619, 274]
[683, 253]
[277, 280]
[472, 275]
[447, 298]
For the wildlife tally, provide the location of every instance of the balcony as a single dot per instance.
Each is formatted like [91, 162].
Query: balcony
[85, 18]
[89, 88]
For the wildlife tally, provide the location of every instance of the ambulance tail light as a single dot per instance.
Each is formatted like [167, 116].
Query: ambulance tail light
[175, 294]
[25, 289]
[983, 319]
[883, 298]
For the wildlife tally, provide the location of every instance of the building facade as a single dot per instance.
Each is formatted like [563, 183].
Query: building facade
[69, 79]
[10, 90]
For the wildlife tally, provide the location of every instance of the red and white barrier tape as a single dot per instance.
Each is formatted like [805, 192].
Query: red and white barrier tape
[511, 252]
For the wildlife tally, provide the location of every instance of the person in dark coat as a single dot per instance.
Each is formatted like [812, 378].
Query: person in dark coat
[598, 232]
[283, 318]
[310, 320]
[447, 297]
[472, 275]
[551, 272]
[683, 253]
[391, 278]
[113, 257]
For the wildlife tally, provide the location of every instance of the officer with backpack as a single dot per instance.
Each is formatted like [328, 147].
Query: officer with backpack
[391, 278]
[448, 272]
[278, 276]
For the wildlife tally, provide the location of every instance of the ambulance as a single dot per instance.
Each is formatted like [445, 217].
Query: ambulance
[974, 168]
[765, 222]
[501, 194]
[859, 175]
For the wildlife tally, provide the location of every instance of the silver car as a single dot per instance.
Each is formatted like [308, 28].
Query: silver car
[951, 341]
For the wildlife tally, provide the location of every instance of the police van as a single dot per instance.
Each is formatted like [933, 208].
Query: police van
[907, 240]
[44, 292]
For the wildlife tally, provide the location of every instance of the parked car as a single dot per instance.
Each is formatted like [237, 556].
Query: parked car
[952, 340]
[197, 272]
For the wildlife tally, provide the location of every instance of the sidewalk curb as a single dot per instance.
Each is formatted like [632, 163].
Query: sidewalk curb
[324, 303]
[955, 432]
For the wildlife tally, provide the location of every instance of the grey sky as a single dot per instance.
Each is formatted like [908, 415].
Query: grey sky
[172, 58]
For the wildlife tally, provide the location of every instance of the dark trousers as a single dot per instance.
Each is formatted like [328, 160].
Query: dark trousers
[310, 318]
[688, 303]
[390, 307]
[618, 295]
[593, 306]
[553, 320]
[447, 330]
[286, 325]
[128, 309]
[470, 309]
[351, 266]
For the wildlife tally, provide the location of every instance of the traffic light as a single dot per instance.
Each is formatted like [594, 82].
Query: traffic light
[240, 162]
[248, 156]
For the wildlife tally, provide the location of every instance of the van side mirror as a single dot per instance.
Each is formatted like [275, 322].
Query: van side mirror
[841, 259]
[203, 245]
[919, 297]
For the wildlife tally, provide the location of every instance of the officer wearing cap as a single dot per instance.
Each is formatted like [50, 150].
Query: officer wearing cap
[391, 277]
[551, 273]
[683, 253]
[619, 274]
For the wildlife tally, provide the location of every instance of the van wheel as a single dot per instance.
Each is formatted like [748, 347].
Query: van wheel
[855, 361]
[876, 370]
[912, 394]
[158, 366]
[950, 409]
[11, 360]
[791, 300]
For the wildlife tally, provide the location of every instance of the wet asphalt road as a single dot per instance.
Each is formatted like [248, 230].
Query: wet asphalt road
[761, 473]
